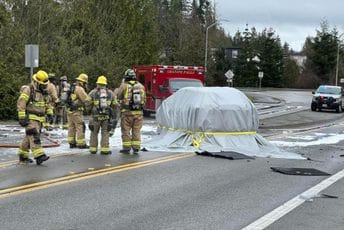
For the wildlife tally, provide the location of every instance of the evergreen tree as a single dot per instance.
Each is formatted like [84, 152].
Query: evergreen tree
[271, 58]
[12, 71]
[321, 53]
[291, 71]
[247, 63]
[107, 37]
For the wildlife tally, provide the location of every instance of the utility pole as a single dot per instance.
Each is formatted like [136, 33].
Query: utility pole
[206, 47]
[337, 65]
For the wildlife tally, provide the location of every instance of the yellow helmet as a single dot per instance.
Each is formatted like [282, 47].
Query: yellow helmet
[102, 80]
[41, 77]
[83, 78]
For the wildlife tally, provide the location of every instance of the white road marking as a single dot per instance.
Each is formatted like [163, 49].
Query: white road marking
[288, 206]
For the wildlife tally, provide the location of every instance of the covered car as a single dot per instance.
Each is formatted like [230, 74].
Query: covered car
[212, 119]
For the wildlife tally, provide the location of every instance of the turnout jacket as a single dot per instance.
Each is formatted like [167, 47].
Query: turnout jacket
[52, 91]
[95, 105]
[124, 95]
[33, 104]
[79, 99]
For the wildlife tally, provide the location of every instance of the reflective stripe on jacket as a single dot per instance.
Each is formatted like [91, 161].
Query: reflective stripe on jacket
[33, 104]
[124, 94]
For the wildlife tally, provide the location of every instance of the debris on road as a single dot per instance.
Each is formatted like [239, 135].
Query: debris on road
[300, 171]
[228, 155]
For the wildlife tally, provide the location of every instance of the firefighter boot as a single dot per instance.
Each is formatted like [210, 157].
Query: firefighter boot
[93, 150]
[136, 151]
[72, 145]
[24, 160]
[105, 152]
[125, 151]
[83, 146]
[41, 158]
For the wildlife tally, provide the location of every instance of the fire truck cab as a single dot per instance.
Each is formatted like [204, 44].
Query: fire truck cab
[161, 81]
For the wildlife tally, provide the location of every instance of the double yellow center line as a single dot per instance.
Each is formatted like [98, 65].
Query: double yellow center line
[87, 175]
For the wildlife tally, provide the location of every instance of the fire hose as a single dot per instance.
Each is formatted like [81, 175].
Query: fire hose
[46, 135]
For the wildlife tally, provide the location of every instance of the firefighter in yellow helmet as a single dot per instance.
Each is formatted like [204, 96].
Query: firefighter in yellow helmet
[102, 116]
[32, 106]
[78, 100]
[131, 95]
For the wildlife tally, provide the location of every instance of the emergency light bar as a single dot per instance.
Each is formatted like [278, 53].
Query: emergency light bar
[180, 67]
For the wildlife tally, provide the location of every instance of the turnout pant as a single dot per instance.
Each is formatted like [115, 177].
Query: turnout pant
[32, 140]
[76, 128]
[99, 124]
[131, 125]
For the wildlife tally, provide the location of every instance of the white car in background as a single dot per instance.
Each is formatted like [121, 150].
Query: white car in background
[328, 97]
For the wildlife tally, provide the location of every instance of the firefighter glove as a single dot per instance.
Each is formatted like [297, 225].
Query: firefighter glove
[23, 122]
[109, 128]
[50, 118]
[83, 127]
[112, 131]
[114, 124]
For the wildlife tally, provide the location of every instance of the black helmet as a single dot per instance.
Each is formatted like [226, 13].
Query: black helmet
[63, 78]
[130, 74]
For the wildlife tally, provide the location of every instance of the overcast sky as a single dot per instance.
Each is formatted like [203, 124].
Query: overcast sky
[293, 20]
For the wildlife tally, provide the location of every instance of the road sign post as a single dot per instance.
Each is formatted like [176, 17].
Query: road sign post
[31, 57]
[260, 76]
[229, 75]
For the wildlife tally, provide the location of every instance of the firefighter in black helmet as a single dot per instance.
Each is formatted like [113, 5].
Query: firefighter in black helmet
[54, 100]
[63, 91]
[131, 95]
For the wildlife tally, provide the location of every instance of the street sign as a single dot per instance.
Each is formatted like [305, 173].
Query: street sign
[341, 80]
[31, 55]
[229, 74]
[260, 74]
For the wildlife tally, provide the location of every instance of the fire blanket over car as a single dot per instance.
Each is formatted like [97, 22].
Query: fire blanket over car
[212, 119]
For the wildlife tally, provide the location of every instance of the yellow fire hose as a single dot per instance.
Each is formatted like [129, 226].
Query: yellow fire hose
[54, 143]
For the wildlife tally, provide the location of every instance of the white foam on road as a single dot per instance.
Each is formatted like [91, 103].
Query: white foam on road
[148, 130]
[318, 139]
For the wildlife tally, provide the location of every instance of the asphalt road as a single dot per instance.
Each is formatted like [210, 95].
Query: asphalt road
[180, 191]
[189, 193]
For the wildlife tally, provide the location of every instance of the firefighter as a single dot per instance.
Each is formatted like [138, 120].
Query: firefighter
[33, 105]
[76, 102]
[117, 109]
[102, 116]
[54, 100]
[63, 90]
[131, 95]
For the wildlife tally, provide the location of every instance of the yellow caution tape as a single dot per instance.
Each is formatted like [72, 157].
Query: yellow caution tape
[198, 137]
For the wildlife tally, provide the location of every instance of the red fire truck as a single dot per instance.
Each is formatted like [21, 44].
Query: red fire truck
[161, 81]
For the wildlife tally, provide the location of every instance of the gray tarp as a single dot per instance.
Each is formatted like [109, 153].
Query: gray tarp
[212, 119]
